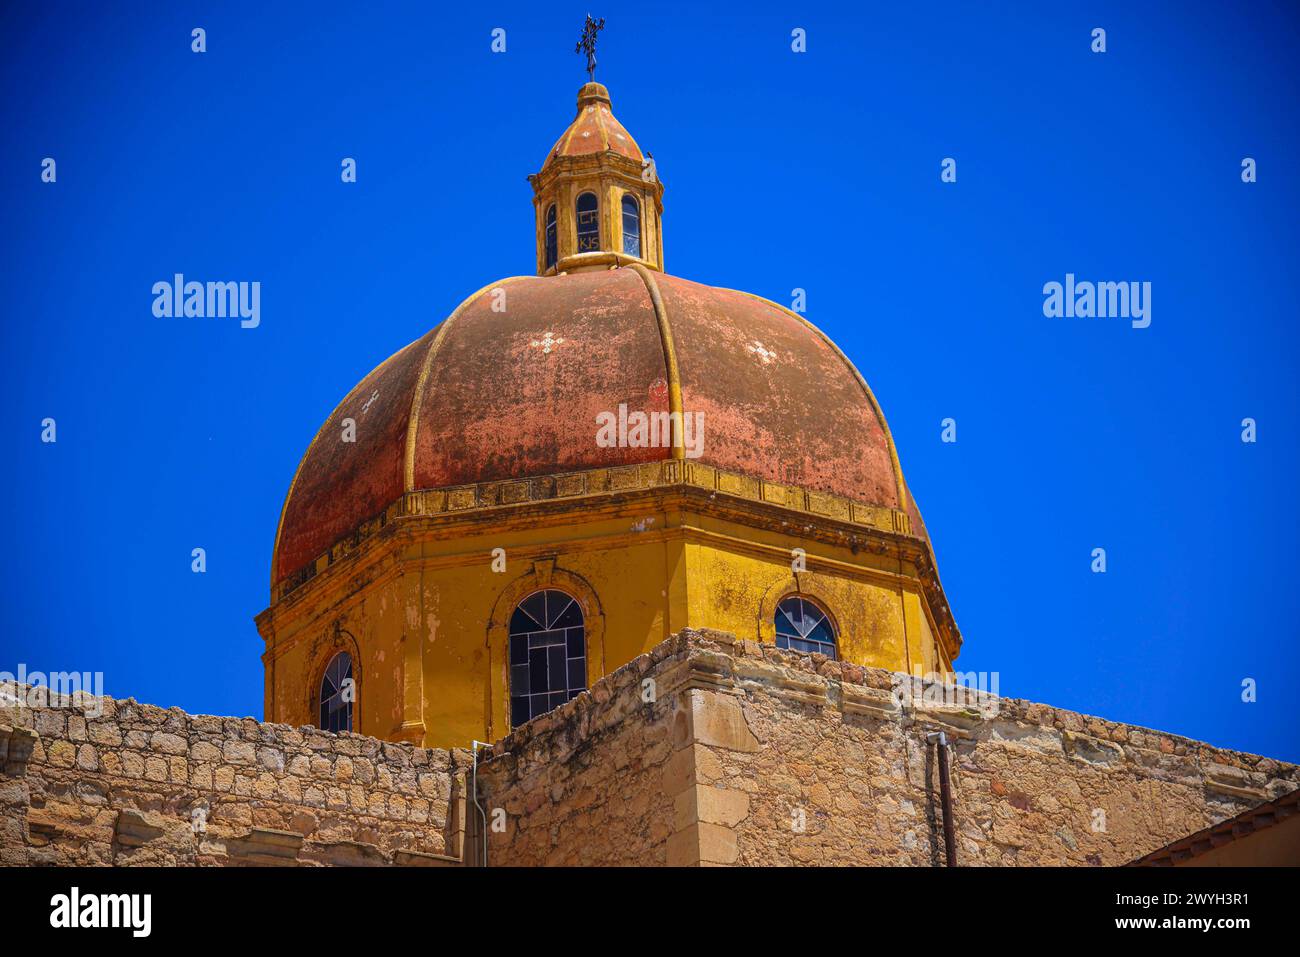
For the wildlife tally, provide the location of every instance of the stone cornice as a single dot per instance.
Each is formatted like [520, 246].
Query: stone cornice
[611, 164]
[529, 502]
[465, 501]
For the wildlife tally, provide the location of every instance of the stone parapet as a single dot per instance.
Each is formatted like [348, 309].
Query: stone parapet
[712, 750]
[102, 781]
[706, 751]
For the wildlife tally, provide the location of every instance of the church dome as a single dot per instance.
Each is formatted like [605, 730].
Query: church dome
[574, 466]
[513, 384]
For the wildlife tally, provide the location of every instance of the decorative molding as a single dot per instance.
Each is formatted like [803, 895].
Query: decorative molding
[703, 669]
[543, 569]
[872, 702]
[958, 721]
[602, 483]
[888, 531]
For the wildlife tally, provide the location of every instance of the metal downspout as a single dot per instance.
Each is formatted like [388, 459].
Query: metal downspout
[945, 799]
[474, 795]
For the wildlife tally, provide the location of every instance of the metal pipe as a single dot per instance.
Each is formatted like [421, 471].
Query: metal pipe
[474, 795]
[945, 799]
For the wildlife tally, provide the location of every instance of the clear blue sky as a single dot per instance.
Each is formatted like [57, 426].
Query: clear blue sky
[818, 171]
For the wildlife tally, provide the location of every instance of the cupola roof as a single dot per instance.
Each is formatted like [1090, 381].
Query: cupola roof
[594, 130]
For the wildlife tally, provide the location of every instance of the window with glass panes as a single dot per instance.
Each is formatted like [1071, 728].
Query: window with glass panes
[551, 248]
[548, 654]
[631, 226]
[336, 694]
[588, 214]
[802, 626]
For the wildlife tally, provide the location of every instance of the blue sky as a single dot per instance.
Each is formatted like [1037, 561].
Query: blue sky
[783, 170]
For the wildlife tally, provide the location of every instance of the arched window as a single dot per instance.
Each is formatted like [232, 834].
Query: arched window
[802, 626]
[336, 694]
[631, 226]
[588, 224]
[551, 249]
[548, 654]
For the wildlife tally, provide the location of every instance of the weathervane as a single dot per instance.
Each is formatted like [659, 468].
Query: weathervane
[587, 42]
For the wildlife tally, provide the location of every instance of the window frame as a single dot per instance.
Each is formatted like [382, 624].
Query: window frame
[578, 212]
[549, 625]
[551, 236]
[826, 616]
[629, 198]
[323, 701]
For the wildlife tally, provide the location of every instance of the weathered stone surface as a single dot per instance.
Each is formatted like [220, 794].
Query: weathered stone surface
[718, 806]
[120, 789]
[169, 742]
[823, 764]
[748, 755]
[719, 722]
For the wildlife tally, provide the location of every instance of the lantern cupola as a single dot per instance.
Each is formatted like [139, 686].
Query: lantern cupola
[598, 199]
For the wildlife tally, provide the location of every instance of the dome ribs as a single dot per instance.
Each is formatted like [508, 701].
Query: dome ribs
[340, 483]
[895, 463]
[670, 351]
[777, 402]
[515, 394]
[510, 387]
[417, 395]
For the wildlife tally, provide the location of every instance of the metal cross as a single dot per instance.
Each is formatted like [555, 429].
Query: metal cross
[587, 42]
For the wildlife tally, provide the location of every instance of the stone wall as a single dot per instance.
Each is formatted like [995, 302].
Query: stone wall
[592, 782]
[751, 755]
[100, 781]
[708, 750]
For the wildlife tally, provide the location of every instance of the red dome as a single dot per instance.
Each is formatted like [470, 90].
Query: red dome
[514, 393]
